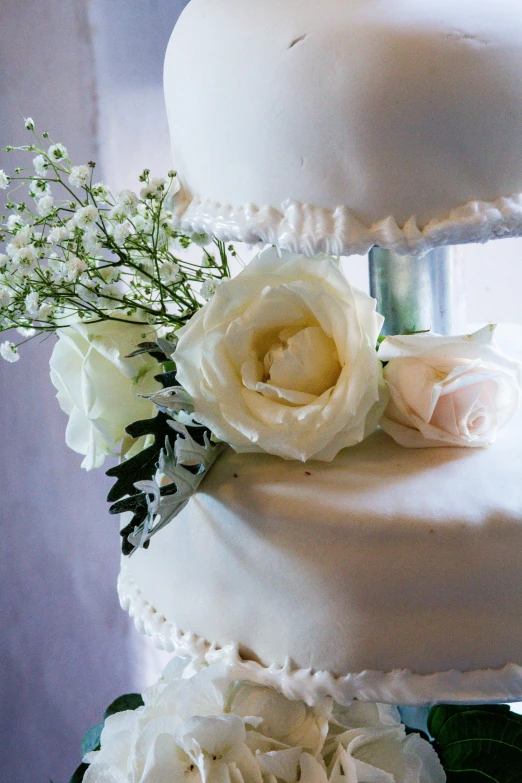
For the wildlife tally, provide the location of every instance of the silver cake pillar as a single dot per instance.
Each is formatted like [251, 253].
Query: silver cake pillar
[419, 293]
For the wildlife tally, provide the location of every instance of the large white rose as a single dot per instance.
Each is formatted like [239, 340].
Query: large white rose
[448, 391]
[283, 359]
[98, 387]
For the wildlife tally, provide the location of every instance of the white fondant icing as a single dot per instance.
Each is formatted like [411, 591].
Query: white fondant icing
[332, 126]
[396, 687]
[300, 228]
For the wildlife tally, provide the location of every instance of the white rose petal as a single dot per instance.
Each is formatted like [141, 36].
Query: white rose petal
[283, 359]
[98, 387]
[449, 391]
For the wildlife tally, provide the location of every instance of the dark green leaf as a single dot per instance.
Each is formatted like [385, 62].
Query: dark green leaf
[153, 349]
[129, 701]
[138, 468]
[91, 740]
[475, 744]
[167, 379]
[79, 774]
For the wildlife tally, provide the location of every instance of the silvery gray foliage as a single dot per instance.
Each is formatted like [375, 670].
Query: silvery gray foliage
[185, 466]
[173, 399]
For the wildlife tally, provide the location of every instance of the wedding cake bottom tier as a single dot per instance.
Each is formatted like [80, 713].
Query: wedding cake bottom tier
[391, 574]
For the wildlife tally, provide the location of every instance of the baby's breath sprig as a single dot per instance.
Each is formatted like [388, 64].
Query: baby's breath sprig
[72, 250]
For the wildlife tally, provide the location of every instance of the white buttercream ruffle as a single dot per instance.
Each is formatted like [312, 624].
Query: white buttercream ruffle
[301, 228]
[401, 687]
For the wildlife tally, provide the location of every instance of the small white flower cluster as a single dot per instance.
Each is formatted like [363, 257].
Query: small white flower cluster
[204, 724]
[95, 255]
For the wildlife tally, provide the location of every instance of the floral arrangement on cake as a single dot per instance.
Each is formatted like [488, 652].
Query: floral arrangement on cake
[163, 359]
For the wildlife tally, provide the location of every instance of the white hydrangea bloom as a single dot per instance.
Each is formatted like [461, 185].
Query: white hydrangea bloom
[9, 352]
[4, 180]
[41, 165]
[86, 217]
[202, 724]
[79, 176]
[45, 206]
[57, 152]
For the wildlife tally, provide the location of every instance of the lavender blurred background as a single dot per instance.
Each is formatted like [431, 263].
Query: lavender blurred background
[90, 72]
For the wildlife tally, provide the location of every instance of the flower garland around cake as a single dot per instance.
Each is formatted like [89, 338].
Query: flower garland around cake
[163, 358]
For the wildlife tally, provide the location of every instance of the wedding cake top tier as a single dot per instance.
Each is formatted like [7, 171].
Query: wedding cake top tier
[335, 125]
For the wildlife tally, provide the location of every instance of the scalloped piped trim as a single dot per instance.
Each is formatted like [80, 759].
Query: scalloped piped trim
[400, 687]
[301, 228]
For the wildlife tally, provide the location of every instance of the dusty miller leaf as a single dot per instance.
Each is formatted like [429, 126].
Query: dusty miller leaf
[185, 464]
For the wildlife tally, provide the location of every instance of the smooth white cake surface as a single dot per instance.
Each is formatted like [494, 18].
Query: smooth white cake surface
[335, 125]
[386, 560]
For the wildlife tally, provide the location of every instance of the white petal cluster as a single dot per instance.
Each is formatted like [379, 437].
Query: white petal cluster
[57, 152]
[153, 189]
[79, 176]
[98, 387]
[4, 180]
[45, 206]
[202, 724]
[9, 352]
[41, 165]
[86, 217]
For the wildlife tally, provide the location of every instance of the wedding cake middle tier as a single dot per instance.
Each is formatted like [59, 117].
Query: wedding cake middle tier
[390, 574]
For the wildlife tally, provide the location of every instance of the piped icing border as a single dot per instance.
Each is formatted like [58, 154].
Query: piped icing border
[310, 230]
[401, 687]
